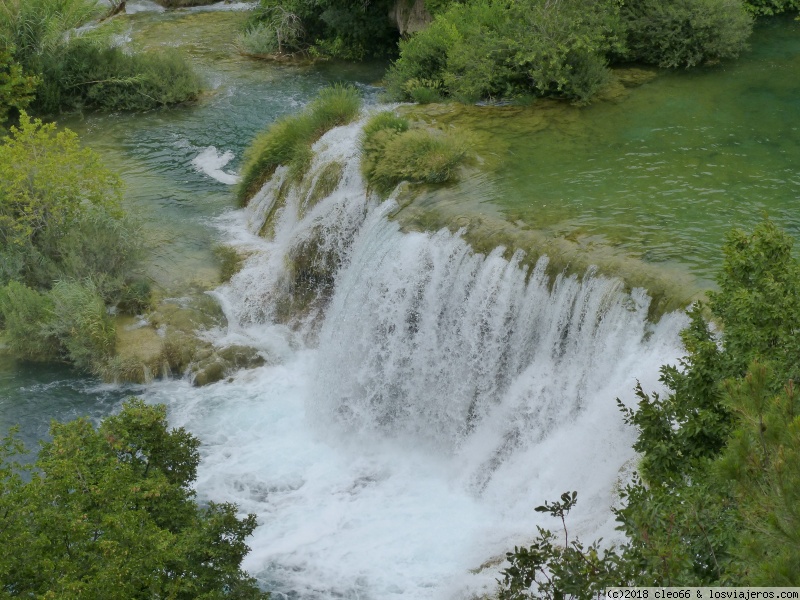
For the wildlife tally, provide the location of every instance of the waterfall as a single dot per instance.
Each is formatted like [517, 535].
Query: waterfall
[423, 400]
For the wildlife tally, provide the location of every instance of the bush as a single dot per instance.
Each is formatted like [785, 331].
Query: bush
[685, 33]
[60, 220]
[87, 76]
[79, 69]
[490, 49]
[276, 31]
[17, 89]
[81, 324]
[68, 323]
[110, 512]
[391, 153]
[337, 28]
[24, 313]
[61, 215]
[288, 141]
[771, 7]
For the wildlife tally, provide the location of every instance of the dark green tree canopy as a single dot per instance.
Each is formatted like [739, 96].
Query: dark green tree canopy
[109, 513]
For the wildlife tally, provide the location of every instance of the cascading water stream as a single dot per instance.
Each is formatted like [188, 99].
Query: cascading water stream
[423, 401]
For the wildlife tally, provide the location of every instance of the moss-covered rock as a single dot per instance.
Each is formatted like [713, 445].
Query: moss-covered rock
[224, 362]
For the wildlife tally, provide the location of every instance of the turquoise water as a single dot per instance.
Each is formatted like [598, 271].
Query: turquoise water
[664, 174]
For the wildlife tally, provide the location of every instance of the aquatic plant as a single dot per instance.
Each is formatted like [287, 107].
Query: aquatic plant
[393, 152]
[288, 141]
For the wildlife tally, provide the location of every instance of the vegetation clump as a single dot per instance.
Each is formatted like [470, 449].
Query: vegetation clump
[685, 33]
[81, 68]
[110, 512]
[337, 28]
[67, 250]
[392, 152]
[494, 49]
[715, 499]
[288, 141]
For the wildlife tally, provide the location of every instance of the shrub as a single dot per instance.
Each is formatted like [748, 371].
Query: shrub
[110, 512]
[288, 141]
[339, 28]
[81, 324]
[17, 89]
[87, 76]
[391, 153]
[79, 69]
[685, 33]
[60, 220]
[771, 7]
[276, 31]
[24, 313]
[490, 48]
[61, 216]
[47, 181]
[68, 323]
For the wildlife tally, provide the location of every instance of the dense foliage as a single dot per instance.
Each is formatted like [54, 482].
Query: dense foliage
[495, 48]
[81, 68]
[288, 141]
[716, 498]
[66, 248]
[350, 30]
[685, 33]
[481, 49]
[109, 512]
[16, 88]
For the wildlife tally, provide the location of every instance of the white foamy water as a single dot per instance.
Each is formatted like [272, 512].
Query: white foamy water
[408, 429]
[211, 162]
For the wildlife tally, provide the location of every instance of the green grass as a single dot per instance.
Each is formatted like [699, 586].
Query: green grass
[288, 141]
[392, 151]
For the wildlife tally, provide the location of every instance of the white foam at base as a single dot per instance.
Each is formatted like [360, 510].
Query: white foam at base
[210, 162]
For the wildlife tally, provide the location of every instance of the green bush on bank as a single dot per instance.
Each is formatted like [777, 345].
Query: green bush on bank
[288, 141]
[771, 7]
[494, 49]
[337, 28]
[87, 76]
[685, 33]
[80, 69]
[17, 89]
[61, 221]
[392, 152]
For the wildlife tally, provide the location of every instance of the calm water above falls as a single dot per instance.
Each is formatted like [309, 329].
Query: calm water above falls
[444, 394]
[668, 171]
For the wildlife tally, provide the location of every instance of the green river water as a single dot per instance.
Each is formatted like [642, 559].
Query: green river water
[659, 175]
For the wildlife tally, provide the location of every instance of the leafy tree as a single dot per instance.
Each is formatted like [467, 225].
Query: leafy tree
[109, 512]
[550, 571]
